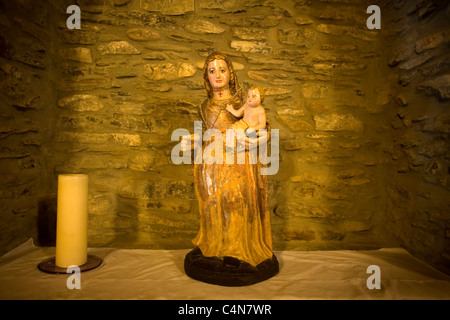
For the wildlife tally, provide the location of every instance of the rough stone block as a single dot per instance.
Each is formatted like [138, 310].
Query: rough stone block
[117, 223]
[316, 106]
[169, 7]
[440, 125]
[302, 20]
[258, 21]
[338, 122]
[256, 34]
[76, 54]
[251, 47]
[290, 54]
[297, 144]
[137, 123]
[329, 235]
[87, 35]
[294, 120]
[303, 210]
[101, 203]
[169, 71]
[401, 54]
[158, 189]
[439, 85]
[276, 91]
[201, 26]
[219, 4]
[258, 75]
[343, 31]
[167, 47]
[436, 66]
[143, 34]
[34, 30]
[316, 91]
[31, 103]
[117, 47]
[83, 83]
[416, 61]
[94, 161]
[130, 140]
[430, 42]
[297, 37]
[169, 205]
[147, 161]
[119, 3]
[34, 57]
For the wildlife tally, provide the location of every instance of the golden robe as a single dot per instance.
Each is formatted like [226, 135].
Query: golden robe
[233, 201]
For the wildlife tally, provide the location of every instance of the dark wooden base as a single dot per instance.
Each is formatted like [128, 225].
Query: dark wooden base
[227, 271]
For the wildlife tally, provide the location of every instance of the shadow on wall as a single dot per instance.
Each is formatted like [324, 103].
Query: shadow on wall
[46, 222]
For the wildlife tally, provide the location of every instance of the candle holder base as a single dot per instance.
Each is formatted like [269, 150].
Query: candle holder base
[49, 265]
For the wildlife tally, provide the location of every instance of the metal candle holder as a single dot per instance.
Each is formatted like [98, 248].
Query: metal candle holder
[49, 266]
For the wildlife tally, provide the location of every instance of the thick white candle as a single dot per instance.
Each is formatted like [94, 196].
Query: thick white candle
[71, 221]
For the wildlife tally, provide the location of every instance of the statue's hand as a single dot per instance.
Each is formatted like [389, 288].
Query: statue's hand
[249, 131]
[230, 108]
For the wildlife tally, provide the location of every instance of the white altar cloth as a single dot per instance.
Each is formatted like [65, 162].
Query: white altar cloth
[159, 274]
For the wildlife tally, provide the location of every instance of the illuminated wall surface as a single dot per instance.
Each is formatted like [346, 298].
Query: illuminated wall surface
[363, 117]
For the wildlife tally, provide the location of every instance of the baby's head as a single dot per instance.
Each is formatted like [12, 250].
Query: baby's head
[255, 95]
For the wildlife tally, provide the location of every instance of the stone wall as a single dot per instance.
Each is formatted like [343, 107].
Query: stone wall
[418, 187]
[111, 93]
[27, 95]
[133, 75]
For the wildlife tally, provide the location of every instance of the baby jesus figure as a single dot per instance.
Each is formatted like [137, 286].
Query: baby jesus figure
[253, 112]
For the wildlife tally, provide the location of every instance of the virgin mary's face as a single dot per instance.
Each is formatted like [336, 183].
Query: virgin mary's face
[218, 74]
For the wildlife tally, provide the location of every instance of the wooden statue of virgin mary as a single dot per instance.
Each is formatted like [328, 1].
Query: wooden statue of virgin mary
[234, 244]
